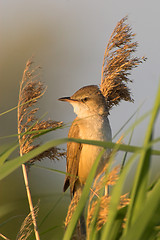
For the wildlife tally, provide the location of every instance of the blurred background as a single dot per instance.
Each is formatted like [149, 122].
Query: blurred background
[68, 39]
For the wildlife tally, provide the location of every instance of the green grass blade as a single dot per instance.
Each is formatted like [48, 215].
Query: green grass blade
[14, 108]
[115, 199]
[49, 169]
[129, 142]
[10, 219]
[138, 195]
[7, 153]
[13, 164]
[138, 121]
[111, 145]
[50, 229]
[117, 231]
[125, 155]
[51, 210]
[147, 218]
[93, 234]
[130, 118]
[39, 132]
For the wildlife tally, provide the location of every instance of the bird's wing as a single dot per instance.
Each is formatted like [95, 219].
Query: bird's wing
[73, 155]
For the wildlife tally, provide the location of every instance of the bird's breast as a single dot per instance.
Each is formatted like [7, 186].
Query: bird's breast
[97, 128]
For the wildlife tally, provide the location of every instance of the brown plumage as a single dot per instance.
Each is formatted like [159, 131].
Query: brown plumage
[73, 154]
[91, 123]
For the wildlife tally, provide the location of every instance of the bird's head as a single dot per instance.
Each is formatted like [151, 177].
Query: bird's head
[87, 101]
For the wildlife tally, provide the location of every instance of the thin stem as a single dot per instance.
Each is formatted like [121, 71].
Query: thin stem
[2, 236]
[25, 175]
[24, 170]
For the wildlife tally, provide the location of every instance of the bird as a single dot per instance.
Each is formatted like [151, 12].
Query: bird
[91, 123]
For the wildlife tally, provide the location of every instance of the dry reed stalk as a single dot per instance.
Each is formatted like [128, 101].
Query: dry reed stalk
[31, 90]
[25, 175]
[117, 64]
[4, 237]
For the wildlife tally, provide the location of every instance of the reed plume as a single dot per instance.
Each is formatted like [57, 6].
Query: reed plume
[30, 127]
[103, 201]
[26, 227]
[119, 60]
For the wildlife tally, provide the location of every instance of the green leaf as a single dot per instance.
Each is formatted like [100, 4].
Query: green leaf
[139, 191]
[130, 118]
[93, 234]
[9, 166]
[51, 210]
[49, 169]
[115, 200]
[147, 217]
[14, 108]
[7, 153]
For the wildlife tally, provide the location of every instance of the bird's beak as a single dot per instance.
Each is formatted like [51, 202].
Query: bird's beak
[65, 99]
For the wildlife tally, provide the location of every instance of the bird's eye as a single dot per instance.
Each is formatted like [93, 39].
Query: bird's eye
[84, 99]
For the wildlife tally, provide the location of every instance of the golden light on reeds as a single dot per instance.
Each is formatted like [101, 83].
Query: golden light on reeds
[104, 200]
[29, 126]
[26, 227]
[119, 60]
